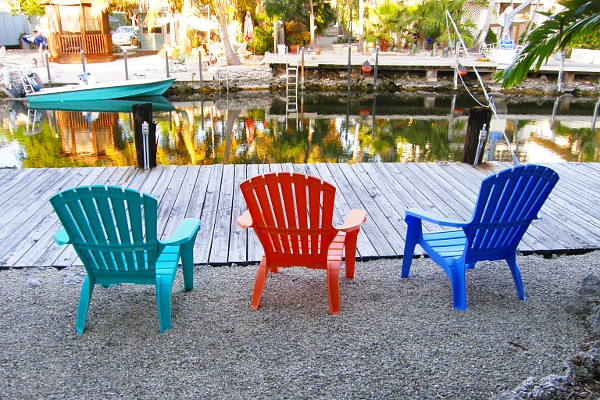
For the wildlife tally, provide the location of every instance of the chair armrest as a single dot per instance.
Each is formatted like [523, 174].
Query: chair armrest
[436, 219]
[61, 237]
[353, 222]
[188, 228]
[245, 220]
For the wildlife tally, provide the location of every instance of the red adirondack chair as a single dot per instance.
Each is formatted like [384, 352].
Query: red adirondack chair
[292, 215]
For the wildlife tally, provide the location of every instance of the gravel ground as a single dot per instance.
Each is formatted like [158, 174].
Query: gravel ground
[392, 339]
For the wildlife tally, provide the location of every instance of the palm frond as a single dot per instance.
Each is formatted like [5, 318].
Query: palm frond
[580, 19]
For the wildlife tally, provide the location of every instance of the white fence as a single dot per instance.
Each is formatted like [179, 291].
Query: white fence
[11, 28]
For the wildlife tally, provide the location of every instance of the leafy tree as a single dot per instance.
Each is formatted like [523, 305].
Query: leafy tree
[579, 21]
[299, 10]
[27, 7]
[432, 22]
[385, 19]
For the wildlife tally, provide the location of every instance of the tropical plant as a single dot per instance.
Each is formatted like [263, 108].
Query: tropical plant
[296, 33]
[298, 10]
[27, 7]
[578, 21]
[384, 20]
[263, 38]
[432, 22]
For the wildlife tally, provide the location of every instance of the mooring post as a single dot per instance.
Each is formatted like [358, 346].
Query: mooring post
[200, 64]
[167, 62]
[47, 61]
[83, 60]
[376, 64]
[302, 68]
[479, 117]
[145, 143]
[559, 84]
[125, 61]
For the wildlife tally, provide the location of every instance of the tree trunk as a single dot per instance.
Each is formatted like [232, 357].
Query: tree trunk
[182, 38]
[229, 123]
[230, 57]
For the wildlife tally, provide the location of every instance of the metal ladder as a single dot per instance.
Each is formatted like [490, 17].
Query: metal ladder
[25, 81]
[291, 91]
[291, 88]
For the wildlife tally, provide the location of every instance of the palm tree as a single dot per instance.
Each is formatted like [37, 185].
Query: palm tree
[578, 21]
[221, 7]
[431, 21]
[384, 20]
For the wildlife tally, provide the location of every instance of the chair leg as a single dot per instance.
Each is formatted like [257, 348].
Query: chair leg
[187, 264]
[259, 283]
[350, 253]
[164, 286]
[459, 287]
[413, 235]
[333, 287]
[84, 302]
[516, 274]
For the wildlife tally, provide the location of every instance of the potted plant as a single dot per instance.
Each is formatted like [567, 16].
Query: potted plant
[297, 35]
[384, 40]
[339, 44]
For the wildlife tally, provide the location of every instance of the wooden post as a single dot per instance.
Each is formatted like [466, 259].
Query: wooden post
[143, 113]
[478, 117]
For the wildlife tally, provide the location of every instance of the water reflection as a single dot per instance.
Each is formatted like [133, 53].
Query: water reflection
[320, 128]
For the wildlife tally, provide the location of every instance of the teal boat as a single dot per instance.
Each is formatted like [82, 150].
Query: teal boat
[102, 91]
[159, 103]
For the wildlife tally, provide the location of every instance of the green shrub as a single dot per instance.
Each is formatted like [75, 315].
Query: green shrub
[263, 38]
[591, 42]
[296, 33]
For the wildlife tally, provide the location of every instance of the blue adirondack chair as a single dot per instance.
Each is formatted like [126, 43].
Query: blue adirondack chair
[507, 203]
[113, 230]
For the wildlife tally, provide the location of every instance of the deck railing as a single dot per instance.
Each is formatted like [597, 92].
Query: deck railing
[96, 43]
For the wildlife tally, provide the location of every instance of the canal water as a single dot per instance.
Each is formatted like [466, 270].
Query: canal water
[264, 128]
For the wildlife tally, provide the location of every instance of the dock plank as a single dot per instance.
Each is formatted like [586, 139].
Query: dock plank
[47, 227]
[196, 204]
[208, 215]
[238, 236]
[45, 251]
[571, 216]
[219, 252]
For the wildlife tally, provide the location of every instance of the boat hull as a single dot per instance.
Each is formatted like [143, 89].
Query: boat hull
[159, 103]
[103, 91]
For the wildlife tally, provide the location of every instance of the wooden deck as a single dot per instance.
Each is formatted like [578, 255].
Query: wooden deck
[571, 216]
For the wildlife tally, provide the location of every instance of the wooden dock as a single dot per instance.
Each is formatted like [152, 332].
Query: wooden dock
[571, 216]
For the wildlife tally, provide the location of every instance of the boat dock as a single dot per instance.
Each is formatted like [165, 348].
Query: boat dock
[570, 217]
[146, 64]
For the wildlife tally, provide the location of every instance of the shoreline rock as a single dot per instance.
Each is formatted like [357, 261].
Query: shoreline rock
[230, 79]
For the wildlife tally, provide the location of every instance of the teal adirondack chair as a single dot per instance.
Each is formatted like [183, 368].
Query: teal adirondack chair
[113, 230]
[508, 202]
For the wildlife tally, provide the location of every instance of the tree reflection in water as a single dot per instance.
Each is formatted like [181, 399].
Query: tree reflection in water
[327, 128]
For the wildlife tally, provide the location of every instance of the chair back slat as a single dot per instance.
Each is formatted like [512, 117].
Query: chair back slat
[113, 230]
[291, 216]
[507, 204]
